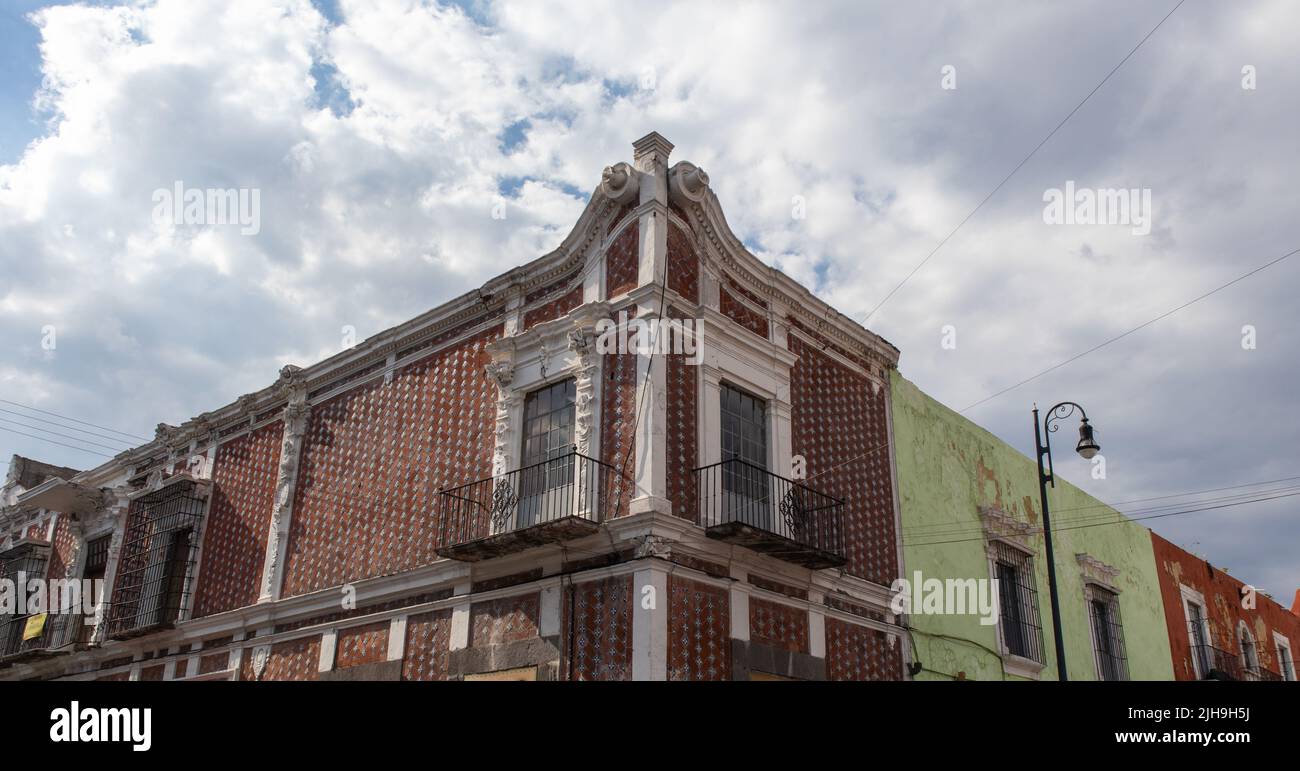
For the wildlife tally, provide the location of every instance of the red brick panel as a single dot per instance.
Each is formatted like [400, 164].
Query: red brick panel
[682, 435]
[214, 663]
[839, 426]
[602, 630]
[622, 263]
[373, 461]
[781, 626]
[428, 642]
[61, 551]
[151, 674]
[699, 631]
[730, 304]
[858, 653]
[618, 428]
[362, 645]
[683, 265]
[553, 309]
[234, 544]
[294, 660]
[509, 619]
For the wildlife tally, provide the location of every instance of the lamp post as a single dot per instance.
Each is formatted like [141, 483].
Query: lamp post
[1088, 448]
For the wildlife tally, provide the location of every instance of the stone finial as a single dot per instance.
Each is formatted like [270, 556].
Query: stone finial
[651, 151]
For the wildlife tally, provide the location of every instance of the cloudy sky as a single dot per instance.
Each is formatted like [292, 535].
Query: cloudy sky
[382, 135]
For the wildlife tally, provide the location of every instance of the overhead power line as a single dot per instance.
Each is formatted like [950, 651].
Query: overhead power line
[64, 436]
[51, 441]
[972, 528]
[74, 420]
[1115, 522]
[1023, 161]
[71, 428]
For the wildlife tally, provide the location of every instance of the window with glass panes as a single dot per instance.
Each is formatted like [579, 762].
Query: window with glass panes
[744, 456]
[547, 452]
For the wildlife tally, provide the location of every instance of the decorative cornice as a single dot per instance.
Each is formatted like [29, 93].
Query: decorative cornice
[1096, 571]
[1001, 526]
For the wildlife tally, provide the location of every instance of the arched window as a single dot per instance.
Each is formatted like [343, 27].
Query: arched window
[1249, 656]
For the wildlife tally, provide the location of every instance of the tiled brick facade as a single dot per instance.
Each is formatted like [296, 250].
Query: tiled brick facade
[682, 435]
[699, 631]
[293, 660]
[554, 309]
[839, 425]
[361, 645]
[373, 461]
[509, 619]
[62, 551]
[601, 648]
[621, 262]
[732, 307]
[428, 637]
[781, 626]
[234, 541]
[683, 265]
[858, 653]
[154, 673]
[618, 429]
[214, 662]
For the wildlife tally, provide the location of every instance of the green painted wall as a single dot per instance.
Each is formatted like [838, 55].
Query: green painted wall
[947, 468]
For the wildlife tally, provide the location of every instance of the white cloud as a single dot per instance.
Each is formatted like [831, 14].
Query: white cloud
[377, 145]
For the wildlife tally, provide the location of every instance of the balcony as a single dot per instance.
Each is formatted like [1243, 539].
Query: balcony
[1215, 663]
[24, 638]
[560, 499]
[1262, 674]
[749, 506]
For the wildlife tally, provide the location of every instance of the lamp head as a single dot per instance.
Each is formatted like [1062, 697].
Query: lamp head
[1087, 446]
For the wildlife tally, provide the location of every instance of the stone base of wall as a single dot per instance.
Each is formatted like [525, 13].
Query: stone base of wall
[379, 670]
[748, 656]
[541, 652]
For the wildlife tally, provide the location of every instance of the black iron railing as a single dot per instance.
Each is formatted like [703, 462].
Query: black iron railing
[736, 492]
[1262, 673]
[570, 486]
[1215, 663]
[41, 633]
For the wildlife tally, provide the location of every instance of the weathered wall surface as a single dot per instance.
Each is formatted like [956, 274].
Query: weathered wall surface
[947, 468]
[1224, 608]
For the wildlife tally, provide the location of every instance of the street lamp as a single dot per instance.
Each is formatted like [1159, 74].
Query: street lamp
[1088, 448]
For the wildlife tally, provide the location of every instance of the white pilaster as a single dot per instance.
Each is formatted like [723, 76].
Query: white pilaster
[296, 415]
[816, 625]
[650, 624]
[397, 639]
[328, 645]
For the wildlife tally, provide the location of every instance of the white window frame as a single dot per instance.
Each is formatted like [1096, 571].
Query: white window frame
[1281, 643]
[1190, 595]
[1012, 663]
[1090, 590]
